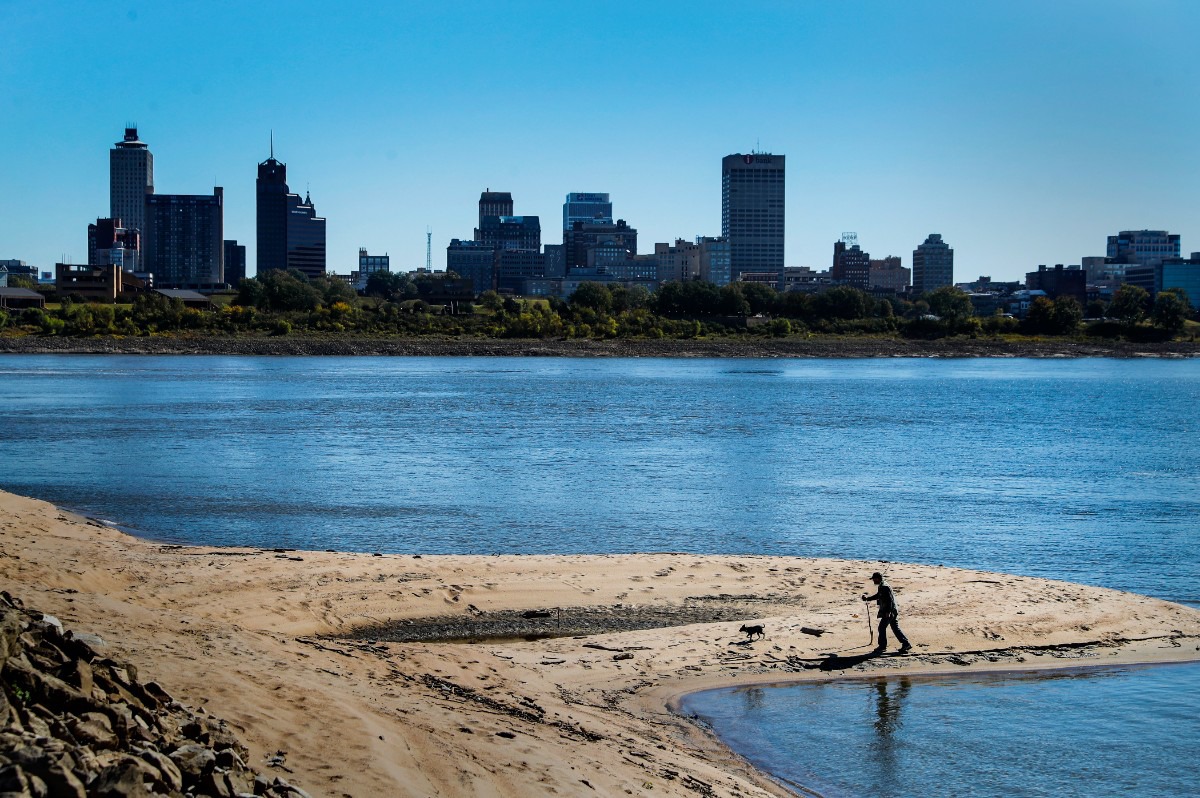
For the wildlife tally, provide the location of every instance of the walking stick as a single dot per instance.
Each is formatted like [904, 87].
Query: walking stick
[870, 626]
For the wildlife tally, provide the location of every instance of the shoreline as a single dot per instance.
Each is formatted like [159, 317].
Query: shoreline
[269, 641]
[742, 347]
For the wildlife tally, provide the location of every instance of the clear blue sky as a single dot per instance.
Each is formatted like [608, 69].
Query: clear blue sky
[1023, 132]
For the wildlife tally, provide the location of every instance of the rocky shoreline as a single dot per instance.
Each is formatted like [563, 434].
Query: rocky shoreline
[745, 347]
[75, 723]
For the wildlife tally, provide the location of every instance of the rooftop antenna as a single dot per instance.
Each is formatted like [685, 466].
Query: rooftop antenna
[429, 249]
[272, 144]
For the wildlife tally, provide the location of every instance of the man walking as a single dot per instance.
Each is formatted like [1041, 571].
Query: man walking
[887, 614]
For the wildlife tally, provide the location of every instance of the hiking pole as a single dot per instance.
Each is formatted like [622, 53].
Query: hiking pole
[870, 626]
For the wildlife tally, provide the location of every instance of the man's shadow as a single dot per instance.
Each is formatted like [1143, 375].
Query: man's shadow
[837, 662]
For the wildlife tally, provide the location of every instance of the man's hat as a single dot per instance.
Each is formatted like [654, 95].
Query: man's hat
[877, 575]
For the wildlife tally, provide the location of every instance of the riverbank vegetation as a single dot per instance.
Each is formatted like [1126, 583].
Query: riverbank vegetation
[285, 303]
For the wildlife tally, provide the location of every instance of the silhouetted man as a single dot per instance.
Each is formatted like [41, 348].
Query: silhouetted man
[887, 614]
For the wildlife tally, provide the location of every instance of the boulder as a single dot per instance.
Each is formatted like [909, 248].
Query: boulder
[194, 760]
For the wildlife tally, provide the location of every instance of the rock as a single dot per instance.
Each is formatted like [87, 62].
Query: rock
[193, 760]
[78, 673]
[86, 642]
[125, 779]
[61, 782]
[10, 630]
[215, 784]
[70, 718]
[170, 777]
[229, 760]
[52, 622]
[93, 729]
[13, 781]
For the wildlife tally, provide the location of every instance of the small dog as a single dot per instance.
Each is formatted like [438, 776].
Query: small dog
[751, 631]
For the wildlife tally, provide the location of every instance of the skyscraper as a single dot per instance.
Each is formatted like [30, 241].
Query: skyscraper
[305, 237]
[130, 179]
[933, 265]
[184, 241]
[851, 266]
[590, 208]
[290, 234]
[494, 203]
[510, 232]
[235, 262]
[752, 191]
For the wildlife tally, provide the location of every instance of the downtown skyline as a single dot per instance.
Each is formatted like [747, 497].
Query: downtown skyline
[1022, 135]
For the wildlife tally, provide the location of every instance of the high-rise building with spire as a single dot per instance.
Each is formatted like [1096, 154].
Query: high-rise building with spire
[290, 234]
[130, 179]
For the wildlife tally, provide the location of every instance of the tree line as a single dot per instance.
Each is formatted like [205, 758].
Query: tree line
[281, 302]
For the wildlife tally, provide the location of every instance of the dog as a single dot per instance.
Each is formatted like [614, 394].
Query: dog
[751, 631]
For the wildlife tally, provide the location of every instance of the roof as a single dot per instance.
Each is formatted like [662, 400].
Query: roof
[182, 295]
[19, 292]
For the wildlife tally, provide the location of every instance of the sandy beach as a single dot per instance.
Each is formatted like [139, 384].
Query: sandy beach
[412, 675]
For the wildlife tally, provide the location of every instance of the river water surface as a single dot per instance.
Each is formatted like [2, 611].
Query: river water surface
[1081, 470]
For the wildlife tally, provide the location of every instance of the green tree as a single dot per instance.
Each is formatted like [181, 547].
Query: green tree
[333, 290]
[843, 302]
[491, 300]
[22, 281]
[949, 303]
[1129, 304]
[592, 295]
[1067, 315]
[389, 285]
[761, 298]
[251, 293]
[733, 300]
[1039, 318]
[691, 299]
[1096, 309]
[1171, 309]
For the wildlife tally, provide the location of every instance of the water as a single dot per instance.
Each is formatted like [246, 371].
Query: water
[1080, 470]
[1115, 732]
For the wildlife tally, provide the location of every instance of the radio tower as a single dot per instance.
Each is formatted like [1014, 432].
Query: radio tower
[429, 250]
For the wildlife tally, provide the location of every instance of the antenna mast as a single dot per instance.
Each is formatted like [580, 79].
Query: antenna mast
[429, 249]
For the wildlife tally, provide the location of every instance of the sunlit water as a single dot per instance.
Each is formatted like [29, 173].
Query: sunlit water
[1081, 470]
[1088, 733]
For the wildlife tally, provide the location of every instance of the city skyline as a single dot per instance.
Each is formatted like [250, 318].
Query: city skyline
[1052, 127]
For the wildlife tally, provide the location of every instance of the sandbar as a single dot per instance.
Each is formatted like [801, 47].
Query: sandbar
[410, 675]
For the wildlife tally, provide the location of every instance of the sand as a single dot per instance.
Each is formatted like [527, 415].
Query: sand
[303, 652]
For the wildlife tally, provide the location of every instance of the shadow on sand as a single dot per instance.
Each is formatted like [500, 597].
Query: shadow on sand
[837, 662]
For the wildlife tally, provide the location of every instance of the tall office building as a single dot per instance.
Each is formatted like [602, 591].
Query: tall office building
[933, 265]
[851, 266]
[130, 179]
[305, 237]
[584, 236]
[494, 203]
[235, 262]
[474, 261]
[1144, 247]
[590, 208]
[184, 239]
[510, 232]
[752, 190]
[290, 234]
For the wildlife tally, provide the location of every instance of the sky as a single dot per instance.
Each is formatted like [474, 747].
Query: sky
[1023, 132]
